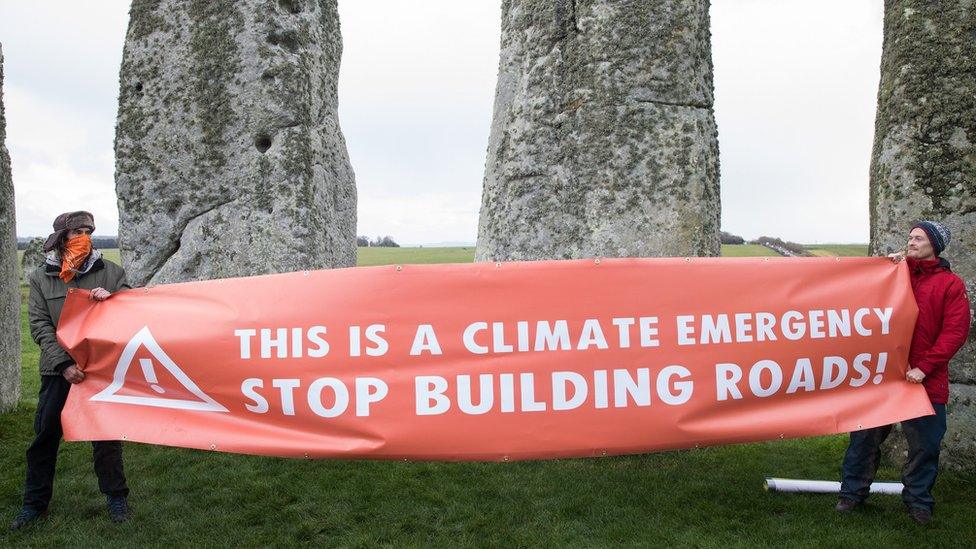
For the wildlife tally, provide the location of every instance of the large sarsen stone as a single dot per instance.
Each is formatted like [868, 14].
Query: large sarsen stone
[9, 276]
[604, 140]
[229, 156]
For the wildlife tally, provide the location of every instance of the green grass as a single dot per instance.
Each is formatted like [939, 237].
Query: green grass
[710, 497]
[746, 250]
[389, 256]
[835, 250]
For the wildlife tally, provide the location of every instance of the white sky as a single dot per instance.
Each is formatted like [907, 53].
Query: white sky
[796, 86]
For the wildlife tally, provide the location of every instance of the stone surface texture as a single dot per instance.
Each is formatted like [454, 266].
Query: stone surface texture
[603, 141]
[9, 275]
[229, 156]
[924, 162]
[33, 257]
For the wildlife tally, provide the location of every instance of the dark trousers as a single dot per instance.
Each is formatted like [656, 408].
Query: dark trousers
[924, 435]
[42, 455]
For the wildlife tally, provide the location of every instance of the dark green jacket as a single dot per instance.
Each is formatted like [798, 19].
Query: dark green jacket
[47, 293]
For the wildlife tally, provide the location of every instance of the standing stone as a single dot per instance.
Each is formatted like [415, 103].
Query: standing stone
[33, 257]
[924, 163]
[604, 140]
[229, 157]
[9, 276]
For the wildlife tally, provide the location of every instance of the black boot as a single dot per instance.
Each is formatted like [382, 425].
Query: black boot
[25, 517]
[920, 515]
[118, 508]
[845, 505]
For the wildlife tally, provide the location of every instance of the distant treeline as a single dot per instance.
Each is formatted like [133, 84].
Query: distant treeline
[378, 242]
[729, 238]
[783, 247]
[101, 242]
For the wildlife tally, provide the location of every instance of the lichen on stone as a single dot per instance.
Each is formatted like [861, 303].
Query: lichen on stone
[603, 141]
[219, 155]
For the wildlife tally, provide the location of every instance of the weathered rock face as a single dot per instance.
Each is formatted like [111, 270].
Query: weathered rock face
[9, 276]
[603, 141]
[229, 156]
[924, 161]
[33, 257]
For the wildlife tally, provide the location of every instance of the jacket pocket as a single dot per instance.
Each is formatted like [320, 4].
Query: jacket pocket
[56, 295]
[59, 292]
[55, 302]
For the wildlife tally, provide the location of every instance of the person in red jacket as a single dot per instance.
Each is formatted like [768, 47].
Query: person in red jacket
[941, 330]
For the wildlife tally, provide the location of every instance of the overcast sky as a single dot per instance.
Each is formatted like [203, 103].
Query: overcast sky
[795, 85]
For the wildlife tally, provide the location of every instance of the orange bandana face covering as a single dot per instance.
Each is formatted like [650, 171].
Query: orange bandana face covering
[76, 250]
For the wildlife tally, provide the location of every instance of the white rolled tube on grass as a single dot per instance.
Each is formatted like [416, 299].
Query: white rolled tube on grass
[824, 486]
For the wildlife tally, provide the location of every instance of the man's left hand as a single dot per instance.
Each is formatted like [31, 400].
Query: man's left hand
[915, 375]
[100, 294]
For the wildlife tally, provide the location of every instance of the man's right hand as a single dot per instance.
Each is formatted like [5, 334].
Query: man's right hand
[73, 374]
[896, 257]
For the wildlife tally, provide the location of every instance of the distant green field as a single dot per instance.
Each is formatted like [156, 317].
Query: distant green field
[835, 250]
[746, 250]
[112, 255]
[388, 256]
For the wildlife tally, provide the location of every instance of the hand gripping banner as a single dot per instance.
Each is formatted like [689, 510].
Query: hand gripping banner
[498, 361]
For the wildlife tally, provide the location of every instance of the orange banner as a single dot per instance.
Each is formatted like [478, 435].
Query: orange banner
[498, 361]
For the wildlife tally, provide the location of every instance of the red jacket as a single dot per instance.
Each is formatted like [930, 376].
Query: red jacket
[943, 323]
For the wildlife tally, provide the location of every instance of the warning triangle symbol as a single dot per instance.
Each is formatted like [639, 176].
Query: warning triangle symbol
[144, 338]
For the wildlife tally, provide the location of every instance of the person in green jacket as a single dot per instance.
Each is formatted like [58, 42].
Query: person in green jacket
[71, 262]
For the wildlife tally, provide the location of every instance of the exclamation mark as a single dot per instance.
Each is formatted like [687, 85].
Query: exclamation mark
[882, 362]
[150, 373]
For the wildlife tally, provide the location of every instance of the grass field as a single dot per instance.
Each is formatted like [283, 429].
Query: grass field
[835, 250]
[746, 250]
[710, 497]
[389, 256]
